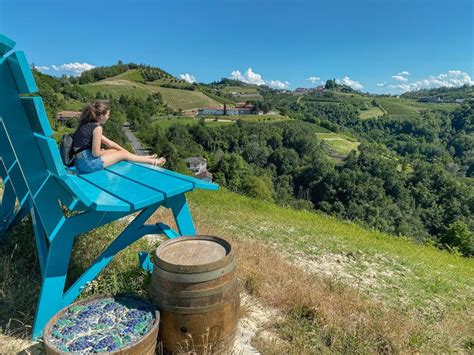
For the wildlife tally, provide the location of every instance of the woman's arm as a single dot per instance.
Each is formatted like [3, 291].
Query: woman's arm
[111, 144]
[97, 141]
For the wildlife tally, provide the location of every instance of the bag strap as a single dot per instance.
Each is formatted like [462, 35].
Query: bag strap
[73, 152]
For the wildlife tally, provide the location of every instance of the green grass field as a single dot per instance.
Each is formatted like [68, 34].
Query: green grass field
[398, 107]
[175, 98]
[73, 105]
[132, 75]
[395, 107]
[372, 112]
[339, 145]
[120, 87]
[185, 99]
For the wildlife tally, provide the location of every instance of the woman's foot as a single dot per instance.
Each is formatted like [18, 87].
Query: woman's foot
[159, 162]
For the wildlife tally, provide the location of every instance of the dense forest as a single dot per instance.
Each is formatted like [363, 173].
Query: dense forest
[438, 135]
[411, 175]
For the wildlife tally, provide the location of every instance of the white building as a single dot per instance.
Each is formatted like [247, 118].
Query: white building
[239, 109]
[196, 164]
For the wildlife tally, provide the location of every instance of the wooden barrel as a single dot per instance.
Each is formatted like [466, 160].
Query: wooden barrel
[146, 345]
[194, 285]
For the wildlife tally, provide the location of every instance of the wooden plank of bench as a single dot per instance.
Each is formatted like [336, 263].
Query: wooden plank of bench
[50, 154]
[37, 117]
[93, 197]
[153, 179]
[21, 72]
[200, 184]
[137, 195]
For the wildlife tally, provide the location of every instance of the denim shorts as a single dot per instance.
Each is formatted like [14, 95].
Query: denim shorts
[86, 163]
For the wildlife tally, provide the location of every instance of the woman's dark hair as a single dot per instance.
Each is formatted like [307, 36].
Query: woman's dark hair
[94, 111]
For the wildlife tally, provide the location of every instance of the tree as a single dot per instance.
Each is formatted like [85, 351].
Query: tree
[330, 84]
[257, 187]
[459, 236]
[231, 170]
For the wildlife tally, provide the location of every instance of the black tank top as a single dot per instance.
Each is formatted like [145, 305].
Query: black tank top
[82, 138]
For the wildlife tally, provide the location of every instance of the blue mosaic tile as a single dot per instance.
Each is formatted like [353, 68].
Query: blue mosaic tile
[102, 325]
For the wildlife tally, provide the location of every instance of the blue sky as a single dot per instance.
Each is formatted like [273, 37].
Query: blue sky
[368, 44]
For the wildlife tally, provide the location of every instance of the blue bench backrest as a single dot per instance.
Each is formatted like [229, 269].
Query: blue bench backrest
[29, 155]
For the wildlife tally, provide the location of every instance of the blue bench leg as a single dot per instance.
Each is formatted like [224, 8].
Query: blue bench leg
[182, 215]
[54, 278]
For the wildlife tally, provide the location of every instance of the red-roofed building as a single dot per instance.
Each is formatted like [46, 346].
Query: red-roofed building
[67, 115]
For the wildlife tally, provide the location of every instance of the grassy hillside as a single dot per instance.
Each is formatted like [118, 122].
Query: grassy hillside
[430, 287]
[185, 99]
[333, 286]
[372, 112]
[338, 145]
[131, 75]
[406, 275]
[395, 107]
[399, 107]
[175, 98]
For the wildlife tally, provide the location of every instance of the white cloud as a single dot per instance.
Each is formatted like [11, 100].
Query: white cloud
[403, 73]
[277, 84]
[42, 68]
[250, 77]
[382, 84]
[188, 78]
[351, 83]
[453, 78]
[313, 79]
[73, 68]
[399, 78]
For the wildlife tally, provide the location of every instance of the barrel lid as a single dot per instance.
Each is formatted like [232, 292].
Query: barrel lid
[193, 253]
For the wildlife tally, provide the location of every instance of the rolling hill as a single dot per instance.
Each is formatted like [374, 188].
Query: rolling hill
[175, 98]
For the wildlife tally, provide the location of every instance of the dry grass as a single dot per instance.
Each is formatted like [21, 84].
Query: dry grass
[321, 314]
[343, 319]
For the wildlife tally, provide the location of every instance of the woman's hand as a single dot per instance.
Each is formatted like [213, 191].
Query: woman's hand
[111, 144]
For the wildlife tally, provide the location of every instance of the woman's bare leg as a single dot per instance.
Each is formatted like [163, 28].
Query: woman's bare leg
[114, 157]
[111, 150]
[108, 151]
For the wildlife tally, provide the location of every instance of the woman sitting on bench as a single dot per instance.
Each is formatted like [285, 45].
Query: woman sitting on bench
[88, 139]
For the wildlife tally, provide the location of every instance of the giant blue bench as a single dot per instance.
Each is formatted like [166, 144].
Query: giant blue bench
[36, 183]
